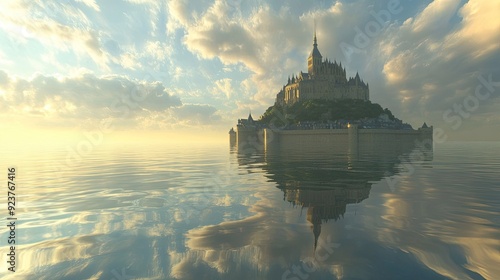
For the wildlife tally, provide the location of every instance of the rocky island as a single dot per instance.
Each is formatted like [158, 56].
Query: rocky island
[323, 109]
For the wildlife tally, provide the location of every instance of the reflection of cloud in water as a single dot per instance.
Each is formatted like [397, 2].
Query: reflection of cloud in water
[252, 240]
[460, 246]
[88, 257]
[89, 245]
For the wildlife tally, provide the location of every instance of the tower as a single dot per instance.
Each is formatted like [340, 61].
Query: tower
[315, 58]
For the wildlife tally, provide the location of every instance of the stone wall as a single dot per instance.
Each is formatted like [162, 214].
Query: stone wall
[353, 140]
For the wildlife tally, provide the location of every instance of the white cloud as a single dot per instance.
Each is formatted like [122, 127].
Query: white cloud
[179, 13]
[127, 60]
[91, 3]
[397, 68]
[158, 50]
[224, 86]
[435, 16]
[84, 97]
[195, 114]
[55, 25]
[479, 28]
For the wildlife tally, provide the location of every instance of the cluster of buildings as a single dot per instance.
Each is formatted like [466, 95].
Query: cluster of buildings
[382, 121]
[324, 80]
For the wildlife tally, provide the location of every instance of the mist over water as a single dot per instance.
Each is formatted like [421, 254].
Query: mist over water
[211, 212]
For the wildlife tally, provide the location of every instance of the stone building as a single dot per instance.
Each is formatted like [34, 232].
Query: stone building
[324, 80]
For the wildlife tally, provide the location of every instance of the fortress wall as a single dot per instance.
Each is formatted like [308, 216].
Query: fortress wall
[391, 141]
[334, 141]
[313, 141]
[344, 140]
[375, 138]
[249, 138]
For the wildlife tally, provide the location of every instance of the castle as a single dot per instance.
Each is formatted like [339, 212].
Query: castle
[323, 80]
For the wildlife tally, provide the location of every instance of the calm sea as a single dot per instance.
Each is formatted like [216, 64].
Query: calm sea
[211, 212]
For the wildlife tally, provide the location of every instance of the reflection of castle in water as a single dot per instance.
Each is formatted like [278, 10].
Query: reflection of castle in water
[325, 181]
[325, 205]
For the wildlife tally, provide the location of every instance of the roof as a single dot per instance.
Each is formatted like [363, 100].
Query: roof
[315, 52]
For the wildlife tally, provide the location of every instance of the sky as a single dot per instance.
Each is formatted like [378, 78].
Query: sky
[189, 69]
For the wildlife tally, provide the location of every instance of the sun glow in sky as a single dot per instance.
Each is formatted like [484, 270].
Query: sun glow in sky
[185, 69]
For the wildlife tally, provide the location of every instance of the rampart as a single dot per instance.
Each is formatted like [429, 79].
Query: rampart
[353, 139]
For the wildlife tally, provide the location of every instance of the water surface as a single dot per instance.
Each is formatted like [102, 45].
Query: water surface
[209, 212]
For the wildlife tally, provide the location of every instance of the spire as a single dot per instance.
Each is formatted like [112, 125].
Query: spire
[315, 59]
[315, 52]
[314, 217]
[315, 44]
[316, 232]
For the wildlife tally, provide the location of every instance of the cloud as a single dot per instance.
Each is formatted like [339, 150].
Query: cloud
[179, 14]
[483, 39]
[195, 114]
[431, 40]
[431, 61]
[64, 27]
[87, 100]
[221, 32]
[83, 97]
[91, 3]
[158, 50]
[436, 15]
[188, 116]
[224, 86]
[113, 42]
[182, 13]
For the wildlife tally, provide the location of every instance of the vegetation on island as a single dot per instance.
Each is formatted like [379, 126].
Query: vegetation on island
[317, 110]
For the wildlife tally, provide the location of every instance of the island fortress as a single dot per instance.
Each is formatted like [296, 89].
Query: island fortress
[323, 80]
[320, 94]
